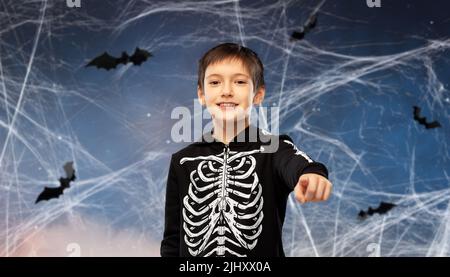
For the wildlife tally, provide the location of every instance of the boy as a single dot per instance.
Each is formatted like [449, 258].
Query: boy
[226, 195]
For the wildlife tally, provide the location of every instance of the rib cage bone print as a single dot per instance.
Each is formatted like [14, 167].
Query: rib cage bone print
[222, 211]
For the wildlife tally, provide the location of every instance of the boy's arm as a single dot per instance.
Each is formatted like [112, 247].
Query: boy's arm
[170, 245]
[308, 178]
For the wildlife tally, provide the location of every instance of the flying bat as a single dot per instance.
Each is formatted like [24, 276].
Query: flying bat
[108, 62]
[383, 208]
[310, 24]
[423, 120]
[55, 192]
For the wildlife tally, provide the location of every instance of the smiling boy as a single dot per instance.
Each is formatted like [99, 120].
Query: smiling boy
[226, 194]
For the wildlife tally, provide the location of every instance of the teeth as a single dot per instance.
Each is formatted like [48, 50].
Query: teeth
[227, 105]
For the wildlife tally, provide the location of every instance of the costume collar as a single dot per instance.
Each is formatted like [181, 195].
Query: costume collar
[249, 136]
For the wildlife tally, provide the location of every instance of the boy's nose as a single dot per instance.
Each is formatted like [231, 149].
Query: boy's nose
[227, 90]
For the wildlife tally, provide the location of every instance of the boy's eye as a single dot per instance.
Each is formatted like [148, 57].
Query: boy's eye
[240, 82]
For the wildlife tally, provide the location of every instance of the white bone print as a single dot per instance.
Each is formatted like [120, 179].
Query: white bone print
[299, 152]
[222, 211]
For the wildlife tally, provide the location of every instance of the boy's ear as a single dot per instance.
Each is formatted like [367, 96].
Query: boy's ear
[201, 96]
[259, 95]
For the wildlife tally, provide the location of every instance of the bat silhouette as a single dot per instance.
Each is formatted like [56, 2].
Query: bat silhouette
[49, 193]
[309, 24]
[383, 208]
[108, 62]
[423, 120]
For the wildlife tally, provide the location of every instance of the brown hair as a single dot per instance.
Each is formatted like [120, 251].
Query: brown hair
[232, 50]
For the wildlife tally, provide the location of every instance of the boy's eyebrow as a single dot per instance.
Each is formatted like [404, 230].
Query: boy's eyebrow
[219, 75]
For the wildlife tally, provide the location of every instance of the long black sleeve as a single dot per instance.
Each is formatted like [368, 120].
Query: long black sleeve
[170, 245]
[290, 162]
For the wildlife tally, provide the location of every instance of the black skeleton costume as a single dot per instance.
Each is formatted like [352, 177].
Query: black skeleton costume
[230, 200]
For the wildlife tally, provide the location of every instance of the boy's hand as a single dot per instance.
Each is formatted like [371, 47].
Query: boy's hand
[312, 188]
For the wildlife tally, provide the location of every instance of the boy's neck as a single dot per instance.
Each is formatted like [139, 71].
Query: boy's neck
[226, 132]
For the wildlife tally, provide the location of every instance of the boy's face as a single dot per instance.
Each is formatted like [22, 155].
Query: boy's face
[229, 91]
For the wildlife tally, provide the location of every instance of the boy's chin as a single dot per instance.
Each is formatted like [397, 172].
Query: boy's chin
[229, 118]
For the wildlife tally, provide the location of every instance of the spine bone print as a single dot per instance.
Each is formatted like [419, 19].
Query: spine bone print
[222, 211]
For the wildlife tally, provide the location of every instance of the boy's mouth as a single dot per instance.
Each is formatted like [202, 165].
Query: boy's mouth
[227, 105]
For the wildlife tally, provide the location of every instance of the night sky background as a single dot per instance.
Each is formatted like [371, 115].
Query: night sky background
[346, 94]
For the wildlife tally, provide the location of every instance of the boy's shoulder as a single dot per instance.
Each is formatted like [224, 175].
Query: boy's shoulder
[183, 152]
